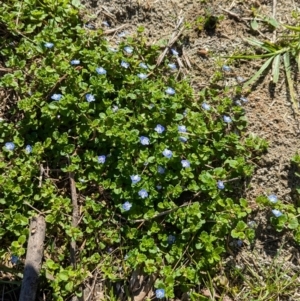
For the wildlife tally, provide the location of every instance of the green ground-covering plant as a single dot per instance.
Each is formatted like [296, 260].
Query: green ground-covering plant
[156, 168]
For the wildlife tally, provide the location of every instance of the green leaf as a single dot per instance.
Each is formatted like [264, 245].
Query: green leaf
[254, 24]
[287, 66]
[259, 72]
[276, 68]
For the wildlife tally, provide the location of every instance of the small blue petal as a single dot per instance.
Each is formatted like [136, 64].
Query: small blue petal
[277, 213]
[220, 185]
[142, 76]
[227, 119]
[160, 293]
[100, 70]
[159, 129]
[167, 153]
[185, 163]
[48, 45]
[226, 68]
[206, 106]
[172, 66]
[10, 146]
[144, 140]
[182, 129]
[126, 206]
[170, 91]
[273, 198]
[143, 65]
[161, 170]
[28, 149]
[244, 99]
[56, 96]
[128, 49]
[124, 64]
[143, 193]
[14, 259]
[183, 139]
[171, 239]
[90, 97]
[174, 52]
[135, 179]
[75, 62]
[101, 159]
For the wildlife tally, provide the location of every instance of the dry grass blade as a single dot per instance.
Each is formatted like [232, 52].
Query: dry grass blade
[259, 72]
[276, 68]
[287, 66]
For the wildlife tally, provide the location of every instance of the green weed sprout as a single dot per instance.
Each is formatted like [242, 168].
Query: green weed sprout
[286, 49]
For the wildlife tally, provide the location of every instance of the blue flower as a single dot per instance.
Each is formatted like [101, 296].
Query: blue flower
[158, 187]
[143, 193]
[161, 170]
[143, 65]
[227, 119]
[14, 259]
[142, 76]
[128, 49]
[185, 163]
[89, 26]
[240, 79]
[48, 45]
[135, 179]
[239, 243]
[238, 103]
[170, 91]
[174, 52]
[167, 153]
[185, 112]
[105, 23]
[171, 239]
[181, 129]
[90, 97]
[226, 68]
[10, 146]
[183, 139]
[244, 99]
[160, 293]
[172, 66]
[122, 34]
[277, 213]
[220, 185]
[101, 159]
[100, 70]
[115, 109]
[56, 96]
[126, 206]
[75, 62]
[112, 49]
[124, 64]
[206, 106]
[144, 140]
[159, 129]
[28, 149]
[251, 224]
[273, 198]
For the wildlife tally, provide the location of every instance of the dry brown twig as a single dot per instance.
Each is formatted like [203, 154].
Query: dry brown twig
[175, 35]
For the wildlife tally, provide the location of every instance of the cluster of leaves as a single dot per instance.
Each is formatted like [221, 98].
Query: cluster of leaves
[285, 50]
[156, 167]
[284, 216]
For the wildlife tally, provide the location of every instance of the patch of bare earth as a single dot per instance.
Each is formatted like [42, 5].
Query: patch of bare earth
[269, 110]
